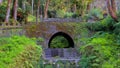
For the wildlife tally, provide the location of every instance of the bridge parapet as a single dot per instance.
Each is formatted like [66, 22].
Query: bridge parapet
[7, 31]
[66, 53]
[60, 20]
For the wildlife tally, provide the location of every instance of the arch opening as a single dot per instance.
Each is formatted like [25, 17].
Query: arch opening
[63, 38]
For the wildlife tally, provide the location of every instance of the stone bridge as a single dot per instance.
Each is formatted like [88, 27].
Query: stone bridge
[48, 31]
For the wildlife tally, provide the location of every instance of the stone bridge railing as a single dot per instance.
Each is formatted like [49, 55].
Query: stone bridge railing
[62, 20]
[60, 58]
[61, 54]
[7, 31]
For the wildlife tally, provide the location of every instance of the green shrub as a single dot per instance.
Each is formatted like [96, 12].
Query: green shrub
[94, 14]
[101, 51]
[19, 52]
[117, 28]
[60, 13]
[59, 42]
[68, 15]
[3, 7]
[118, 15]
[103, 25]
[31, 18]
[107, 24]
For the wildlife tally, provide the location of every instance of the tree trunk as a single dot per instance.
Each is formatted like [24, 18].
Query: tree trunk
[24, 6]
[46, 8]
[15, 10]
[111, 9]
[113, 5]
[8, 12]
[32, 6]
[38, 7]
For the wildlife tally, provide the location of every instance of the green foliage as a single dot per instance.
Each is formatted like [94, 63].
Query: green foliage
[117, 28]
[107, 24]
[39, 41]
[60, 13]
[103, 48]
[81, 5]
[80, 32]
[118, 14]
[103, 25]
[28, 7]
[68, 6]
[18, 52]
[100, 51]
[31, 18]
[68, 15]
[64, 14]
[95, 14]
[3, 7]
[59, 42]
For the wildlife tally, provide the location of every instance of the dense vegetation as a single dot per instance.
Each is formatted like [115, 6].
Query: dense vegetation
[33, 10]
[59, 42]
[19, 51]
[102, 50]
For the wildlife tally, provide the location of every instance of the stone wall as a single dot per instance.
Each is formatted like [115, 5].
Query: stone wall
[62, 20]
[11, 31]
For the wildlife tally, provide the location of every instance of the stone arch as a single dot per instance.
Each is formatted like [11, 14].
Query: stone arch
[65, 35]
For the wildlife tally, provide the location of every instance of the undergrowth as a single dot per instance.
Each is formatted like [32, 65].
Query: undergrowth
[102, 49]
[19, 52]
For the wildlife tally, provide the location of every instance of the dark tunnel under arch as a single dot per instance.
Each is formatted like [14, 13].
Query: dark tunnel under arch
[65, 35]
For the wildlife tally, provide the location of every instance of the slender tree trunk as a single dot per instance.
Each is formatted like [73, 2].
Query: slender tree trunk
[8, 12]
[24, 6]
[32, 6]
[38, 7]
[46, 8]
[111, 9]
[15, 10]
